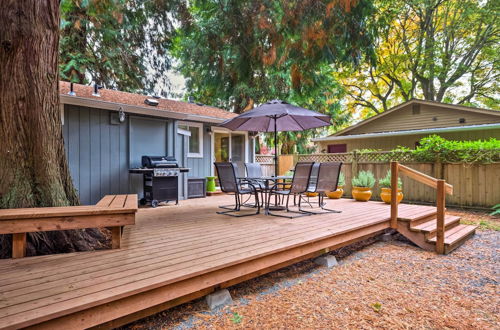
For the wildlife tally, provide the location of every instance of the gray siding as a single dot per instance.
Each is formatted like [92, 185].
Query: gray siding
[100, 154]
[201, 167]
[97, 153]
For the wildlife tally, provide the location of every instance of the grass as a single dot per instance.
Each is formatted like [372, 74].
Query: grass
[478, 218]
[483, 224]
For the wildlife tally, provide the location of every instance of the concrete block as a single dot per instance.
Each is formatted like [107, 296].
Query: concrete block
[327, 261]
[219, 299]
[387, 237]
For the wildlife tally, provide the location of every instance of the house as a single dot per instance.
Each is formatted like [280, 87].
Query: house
[106, 133]
[405, 124]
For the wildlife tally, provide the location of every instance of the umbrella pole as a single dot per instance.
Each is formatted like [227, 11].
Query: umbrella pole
[275, 148]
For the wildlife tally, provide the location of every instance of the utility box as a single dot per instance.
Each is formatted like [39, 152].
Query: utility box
[197, 187]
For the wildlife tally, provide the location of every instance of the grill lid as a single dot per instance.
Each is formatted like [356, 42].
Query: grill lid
[159, 161]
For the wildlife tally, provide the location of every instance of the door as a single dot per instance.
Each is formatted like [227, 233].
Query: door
[230, 147]
[238, 153]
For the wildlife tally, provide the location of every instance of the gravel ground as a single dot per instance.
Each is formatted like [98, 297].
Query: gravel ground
[376, 285]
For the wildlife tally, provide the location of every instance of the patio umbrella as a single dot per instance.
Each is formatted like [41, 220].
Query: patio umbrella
[277, 116]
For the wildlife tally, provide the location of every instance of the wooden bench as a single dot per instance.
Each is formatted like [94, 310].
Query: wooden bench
[112, 211]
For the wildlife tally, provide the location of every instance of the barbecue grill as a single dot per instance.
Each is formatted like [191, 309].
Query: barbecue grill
[160, 178]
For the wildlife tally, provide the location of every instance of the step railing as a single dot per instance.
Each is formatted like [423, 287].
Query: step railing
[442, 188]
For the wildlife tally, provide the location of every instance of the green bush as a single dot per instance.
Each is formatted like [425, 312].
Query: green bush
[385, 182]
[496, 210]
[435, 148]
[341, 179]
[365, 179]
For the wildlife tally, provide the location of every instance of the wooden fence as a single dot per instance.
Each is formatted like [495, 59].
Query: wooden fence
[475, 185]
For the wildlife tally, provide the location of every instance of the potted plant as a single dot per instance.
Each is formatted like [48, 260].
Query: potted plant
[385, 188]
[362, 185]
[340, 188]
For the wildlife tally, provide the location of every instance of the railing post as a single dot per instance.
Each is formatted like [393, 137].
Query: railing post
[440, 205]
[394, 194]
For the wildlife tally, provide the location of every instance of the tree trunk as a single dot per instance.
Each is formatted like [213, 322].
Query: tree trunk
[33, 166]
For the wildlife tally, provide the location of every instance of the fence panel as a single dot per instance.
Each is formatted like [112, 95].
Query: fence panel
[475, 185]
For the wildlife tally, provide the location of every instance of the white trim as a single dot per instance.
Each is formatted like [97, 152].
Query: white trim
[200, 137]
[409, 132]
[217, 129]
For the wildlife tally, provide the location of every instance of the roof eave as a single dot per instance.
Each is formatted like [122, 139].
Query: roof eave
[408, 132]
[127, 108]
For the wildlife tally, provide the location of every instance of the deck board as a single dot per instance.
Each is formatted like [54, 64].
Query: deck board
[171, 245]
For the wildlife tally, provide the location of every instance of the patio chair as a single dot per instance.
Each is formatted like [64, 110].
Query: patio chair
[298, 186]
[229, 183]
[327, 178]
[254, 170]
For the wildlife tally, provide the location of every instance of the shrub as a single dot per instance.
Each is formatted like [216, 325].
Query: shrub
[435, 148]
[385, 182]
[364, 179]
[341, 179]
[496, 210]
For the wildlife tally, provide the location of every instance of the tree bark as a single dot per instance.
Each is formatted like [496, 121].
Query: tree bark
[33, 166]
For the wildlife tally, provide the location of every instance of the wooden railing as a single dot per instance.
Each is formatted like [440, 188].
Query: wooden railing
[442, 188]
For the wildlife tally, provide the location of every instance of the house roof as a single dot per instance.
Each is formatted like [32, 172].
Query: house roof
[134, 103]
[416, 101]
[410, 132]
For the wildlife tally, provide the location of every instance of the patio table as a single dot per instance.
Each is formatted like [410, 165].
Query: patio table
[267, 186]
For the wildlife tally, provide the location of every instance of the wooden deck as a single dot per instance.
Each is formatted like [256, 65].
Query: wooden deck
[172, 255]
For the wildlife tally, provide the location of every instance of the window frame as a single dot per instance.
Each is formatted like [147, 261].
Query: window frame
[200, 138]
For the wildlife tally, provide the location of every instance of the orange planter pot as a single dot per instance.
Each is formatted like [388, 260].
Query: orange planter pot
[361, 194]
[336, 194]
[385, 195]
[311, 194]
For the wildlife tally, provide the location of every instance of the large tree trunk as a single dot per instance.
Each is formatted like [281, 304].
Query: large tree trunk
[33, 167]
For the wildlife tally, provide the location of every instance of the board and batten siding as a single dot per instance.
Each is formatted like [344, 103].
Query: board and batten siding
[201, 166]
[428, 116]
[97, 153]
[391, 142]
[100, 153]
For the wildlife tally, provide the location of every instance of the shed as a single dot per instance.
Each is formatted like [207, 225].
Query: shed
[405, 124]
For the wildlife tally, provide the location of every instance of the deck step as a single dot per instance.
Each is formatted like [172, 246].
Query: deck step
[430, 226]
[455, 236]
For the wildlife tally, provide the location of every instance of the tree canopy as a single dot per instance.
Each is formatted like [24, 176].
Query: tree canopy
[439, 50]
[121, 44]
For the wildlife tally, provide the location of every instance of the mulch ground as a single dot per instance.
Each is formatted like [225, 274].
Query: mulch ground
[376, 285]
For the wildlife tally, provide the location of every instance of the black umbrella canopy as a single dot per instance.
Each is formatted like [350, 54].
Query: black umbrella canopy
[288, 117]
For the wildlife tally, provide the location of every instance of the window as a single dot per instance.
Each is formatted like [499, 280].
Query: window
[195, 140]
[337, 148]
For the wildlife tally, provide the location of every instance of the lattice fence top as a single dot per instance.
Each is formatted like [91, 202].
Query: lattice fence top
[264, 159]
[322, 158]
[384, 156]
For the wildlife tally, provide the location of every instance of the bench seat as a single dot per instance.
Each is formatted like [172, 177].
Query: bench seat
[113, 211]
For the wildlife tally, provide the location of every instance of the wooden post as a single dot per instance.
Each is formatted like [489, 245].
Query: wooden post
[19, 245]
[440, 204]
[116, 237]
[394, 194]
[354, 164]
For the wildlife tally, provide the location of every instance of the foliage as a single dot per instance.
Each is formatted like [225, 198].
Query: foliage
[436, 148]
[364, 179]
[236, 318]
[496, 210]
[385, 182]
[444, 51]
[341, 182]
[121, 44]
[236, 54]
